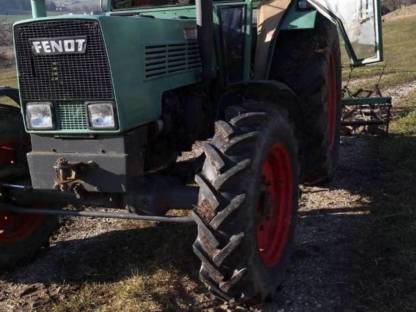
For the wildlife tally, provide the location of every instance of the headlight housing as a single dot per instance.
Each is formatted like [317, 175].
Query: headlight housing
[39, 116]
[101, 115]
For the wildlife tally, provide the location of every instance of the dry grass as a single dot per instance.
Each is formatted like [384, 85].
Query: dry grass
[7, 78]
[405, 124]
[404, 12]
[150, 268]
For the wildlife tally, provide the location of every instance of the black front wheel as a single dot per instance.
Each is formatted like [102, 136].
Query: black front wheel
[21, 236]
[247, 205]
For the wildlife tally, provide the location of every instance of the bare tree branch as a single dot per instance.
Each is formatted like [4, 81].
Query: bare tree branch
[5, 38]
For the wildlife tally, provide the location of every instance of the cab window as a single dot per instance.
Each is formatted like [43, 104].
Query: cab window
[360, 22]
[133, 4]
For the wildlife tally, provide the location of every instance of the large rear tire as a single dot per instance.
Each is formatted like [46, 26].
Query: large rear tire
[247, 205]
[310, 63]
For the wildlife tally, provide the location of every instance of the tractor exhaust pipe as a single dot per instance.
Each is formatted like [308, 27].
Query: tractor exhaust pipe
[38, 8]
[204, 21]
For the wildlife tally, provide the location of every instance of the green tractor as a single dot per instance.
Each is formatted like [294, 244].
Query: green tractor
[111, 102]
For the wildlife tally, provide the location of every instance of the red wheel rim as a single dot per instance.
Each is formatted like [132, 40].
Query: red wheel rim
[274, 211]
[331, 102]
[7, 153]
[13, 227]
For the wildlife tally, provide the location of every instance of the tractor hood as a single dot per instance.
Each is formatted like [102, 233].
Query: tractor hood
[131, 61]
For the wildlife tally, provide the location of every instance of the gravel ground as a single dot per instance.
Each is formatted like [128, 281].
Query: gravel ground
[401, 92]
[321, 277]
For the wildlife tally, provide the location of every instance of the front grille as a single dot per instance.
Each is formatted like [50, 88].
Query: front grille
[71, 116]
[162, 60]
[63, 76]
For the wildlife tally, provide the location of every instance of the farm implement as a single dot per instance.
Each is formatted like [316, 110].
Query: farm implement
[365, 111]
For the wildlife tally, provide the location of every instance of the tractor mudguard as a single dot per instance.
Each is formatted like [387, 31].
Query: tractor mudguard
[266, 91]
[10, 93]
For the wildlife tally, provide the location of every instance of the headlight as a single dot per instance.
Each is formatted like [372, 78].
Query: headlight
[101, 115]
[39, 116]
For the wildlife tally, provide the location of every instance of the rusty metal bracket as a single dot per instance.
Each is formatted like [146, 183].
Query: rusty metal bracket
[67, 175]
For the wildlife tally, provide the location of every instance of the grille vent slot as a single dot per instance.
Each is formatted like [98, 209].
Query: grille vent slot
[71, 116]
[162, 60]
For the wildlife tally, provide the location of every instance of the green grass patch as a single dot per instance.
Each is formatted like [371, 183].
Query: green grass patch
[405, 122]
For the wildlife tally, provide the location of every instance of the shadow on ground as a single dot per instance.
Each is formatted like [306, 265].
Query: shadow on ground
[116, 256]
[356, 242]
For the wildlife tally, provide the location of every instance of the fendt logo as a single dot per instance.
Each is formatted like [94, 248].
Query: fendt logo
[54, 46]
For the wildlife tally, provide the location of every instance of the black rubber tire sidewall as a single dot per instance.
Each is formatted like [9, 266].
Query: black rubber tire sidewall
[12, 255]
[24, 250]
[268, 279]
[259, 282]
[302, 61]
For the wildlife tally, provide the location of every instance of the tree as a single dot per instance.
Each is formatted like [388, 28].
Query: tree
[14, 6]
[50, 5]
[5, 38]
